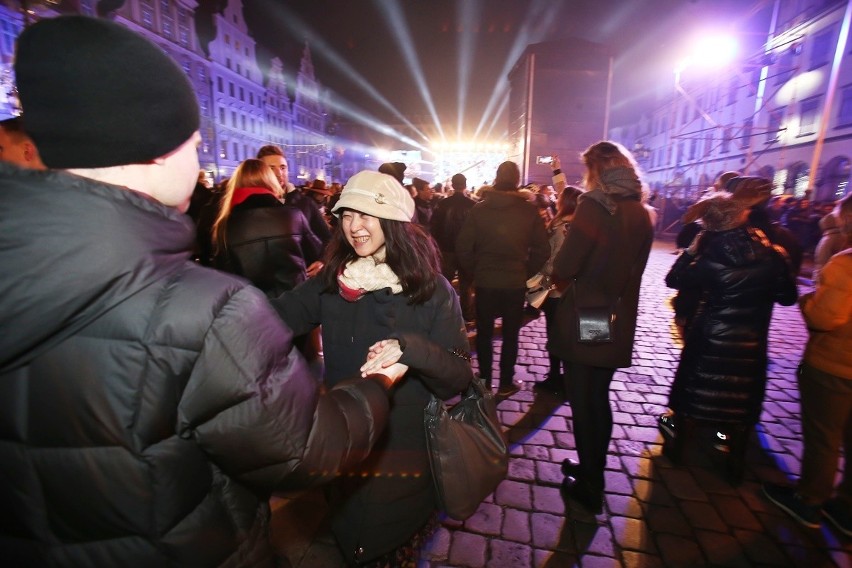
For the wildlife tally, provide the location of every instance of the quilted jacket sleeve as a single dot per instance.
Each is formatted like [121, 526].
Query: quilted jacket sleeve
[444, 372]
[253, 407]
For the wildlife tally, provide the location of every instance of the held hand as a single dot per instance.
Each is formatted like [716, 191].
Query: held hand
[380, 356]
[695, 244]
[314, 268]
[395, 372]
[555, 164]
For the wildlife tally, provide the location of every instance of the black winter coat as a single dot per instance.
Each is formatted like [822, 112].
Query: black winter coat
[602, 258]
[312, 213]
[148, 406]
[722, 371]
[382, 511]
[503, 240]
[269, 243]
[447, 219]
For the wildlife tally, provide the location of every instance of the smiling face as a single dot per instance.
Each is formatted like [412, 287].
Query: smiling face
[363, 232]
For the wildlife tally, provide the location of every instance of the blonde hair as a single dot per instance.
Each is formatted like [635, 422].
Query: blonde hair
[603, 156]
[250, 173]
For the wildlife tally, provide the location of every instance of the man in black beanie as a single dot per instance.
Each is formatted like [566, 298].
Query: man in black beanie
[149, 405]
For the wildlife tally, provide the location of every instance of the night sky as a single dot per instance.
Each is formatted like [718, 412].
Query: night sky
[646, 37]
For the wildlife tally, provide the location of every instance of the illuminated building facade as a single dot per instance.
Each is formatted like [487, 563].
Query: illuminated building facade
[241, 110]
[774, 115]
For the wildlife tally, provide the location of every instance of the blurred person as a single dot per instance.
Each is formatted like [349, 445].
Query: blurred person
[381, 293]
[16, 147]
[446, 223]
[423, 202]
[601, 261]
[501, 244]
[273, 157]
[825, 389]
[258, 237]
[150, 405]
[835, 226]
[395, 169]
[798, 219]
[557, 229]
[740, 274]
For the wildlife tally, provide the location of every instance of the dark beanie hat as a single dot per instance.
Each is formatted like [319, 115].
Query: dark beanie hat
[96, 94]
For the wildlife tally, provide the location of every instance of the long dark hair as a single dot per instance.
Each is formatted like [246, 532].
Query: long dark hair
[409, 251]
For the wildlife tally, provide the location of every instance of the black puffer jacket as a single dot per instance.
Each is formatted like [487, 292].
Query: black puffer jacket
[269, 243]
[148, 405]
[395, 497]
[722, 371]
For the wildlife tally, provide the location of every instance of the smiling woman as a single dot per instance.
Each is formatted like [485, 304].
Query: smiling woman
[381, 300]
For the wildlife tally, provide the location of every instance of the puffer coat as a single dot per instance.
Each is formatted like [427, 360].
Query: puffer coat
[382, 509]
[269, 243]
[148, 405]
[721, 376]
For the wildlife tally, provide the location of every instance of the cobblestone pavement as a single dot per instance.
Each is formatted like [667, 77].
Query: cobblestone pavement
[655, 514]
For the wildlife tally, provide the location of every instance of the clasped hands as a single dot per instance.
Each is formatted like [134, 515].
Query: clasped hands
[383, 358]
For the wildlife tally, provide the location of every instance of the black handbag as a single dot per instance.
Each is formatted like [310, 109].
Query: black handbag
[595, 325]
[468, 453]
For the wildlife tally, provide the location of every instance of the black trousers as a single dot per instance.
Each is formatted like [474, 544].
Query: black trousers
[588, 392]
[490, 304]
[558, 367]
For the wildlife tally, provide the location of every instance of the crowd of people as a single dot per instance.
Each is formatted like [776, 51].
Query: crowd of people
[157, 387]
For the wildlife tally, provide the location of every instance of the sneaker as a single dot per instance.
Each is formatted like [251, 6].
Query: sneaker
[793, 504]
[839, 515]
[666, 425]
[723, 443]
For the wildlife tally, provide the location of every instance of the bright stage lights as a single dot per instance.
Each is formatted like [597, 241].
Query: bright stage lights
[710, 52]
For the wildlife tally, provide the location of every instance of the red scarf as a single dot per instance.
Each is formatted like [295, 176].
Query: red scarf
[243, 193]
[347, 293]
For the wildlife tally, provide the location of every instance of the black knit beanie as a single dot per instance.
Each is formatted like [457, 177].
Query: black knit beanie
[96, 94]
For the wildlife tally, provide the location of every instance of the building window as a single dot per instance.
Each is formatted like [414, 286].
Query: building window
[708, 144]
[202, 74]
[821, 48]
[242, 94]
[233, 119]
[228, 62]
[773, 128]
[733, 86]
[809, 116]
[243, 122]
[220, 85]
[166, 18]
[147, 13]
[183, 27]
[223, 151]
[785, 67]
[251, 98]
[231, 89]
[187, 68]
[693, 149]
[221, 116]
[227, 39]
[844, 117]
[746, 139]
[679, 152]
[726, 140]
[236, 151]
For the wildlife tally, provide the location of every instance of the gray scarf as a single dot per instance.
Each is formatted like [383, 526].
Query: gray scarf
[615, 182]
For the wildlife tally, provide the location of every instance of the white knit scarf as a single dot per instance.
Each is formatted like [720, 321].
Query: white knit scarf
[370, 273]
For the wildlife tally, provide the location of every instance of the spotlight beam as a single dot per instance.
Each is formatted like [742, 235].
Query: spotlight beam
[468, 13]
[290, 21]
[540, 14]
[401, 32]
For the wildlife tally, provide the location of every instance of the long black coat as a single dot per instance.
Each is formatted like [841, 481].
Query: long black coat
[148, 406]
[604, 255]
[382, 510]
[269, 243]
[722, 371]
